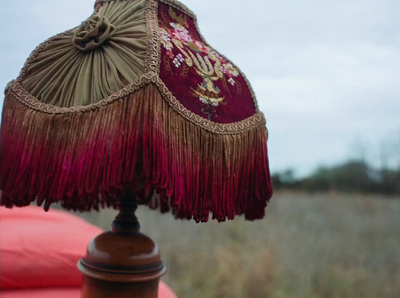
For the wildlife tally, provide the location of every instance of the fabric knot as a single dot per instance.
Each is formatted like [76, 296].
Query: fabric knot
[92, 33]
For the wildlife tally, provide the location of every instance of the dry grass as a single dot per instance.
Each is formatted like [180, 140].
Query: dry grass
[308, 246]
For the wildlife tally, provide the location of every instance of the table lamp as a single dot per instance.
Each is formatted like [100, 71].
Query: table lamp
[132, 107]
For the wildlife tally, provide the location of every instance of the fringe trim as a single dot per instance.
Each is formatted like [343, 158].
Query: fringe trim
[79, 159]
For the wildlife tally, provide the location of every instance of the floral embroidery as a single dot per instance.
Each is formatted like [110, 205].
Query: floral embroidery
[165, 39]
[229, 69]
[178, 60]
[208, 64]
[181, 33]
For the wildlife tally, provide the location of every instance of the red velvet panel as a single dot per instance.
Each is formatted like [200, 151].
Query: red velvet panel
[199, 77]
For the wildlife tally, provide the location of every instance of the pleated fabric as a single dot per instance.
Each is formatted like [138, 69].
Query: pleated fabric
[65, 76]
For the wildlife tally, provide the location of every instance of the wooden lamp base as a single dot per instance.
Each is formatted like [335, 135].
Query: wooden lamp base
[123, 262]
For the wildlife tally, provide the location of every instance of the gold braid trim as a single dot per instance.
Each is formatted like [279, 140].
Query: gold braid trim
[37, 51]
[16, 90]
[153, 38]
[99, 3]
[176, 4]
[180, 6]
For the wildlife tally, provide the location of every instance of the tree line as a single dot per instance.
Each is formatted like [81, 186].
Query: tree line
[351, 176]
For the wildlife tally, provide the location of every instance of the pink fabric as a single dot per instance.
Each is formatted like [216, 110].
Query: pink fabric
[39, 249]
[163, 292]
[41, 293]
[39, 252]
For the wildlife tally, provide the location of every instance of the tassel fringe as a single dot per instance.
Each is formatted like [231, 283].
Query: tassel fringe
[79, 159]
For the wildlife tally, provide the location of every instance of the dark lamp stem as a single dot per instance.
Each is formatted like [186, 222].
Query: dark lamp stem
[126, 220]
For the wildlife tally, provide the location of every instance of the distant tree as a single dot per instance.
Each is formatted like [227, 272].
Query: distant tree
[285, 179]
[319, 180]
[351, 176]
[354, 175]
[390, 175]
[390, 181]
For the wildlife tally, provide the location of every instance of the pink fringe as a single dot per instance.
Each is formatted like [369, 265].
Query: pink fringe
[78, 158]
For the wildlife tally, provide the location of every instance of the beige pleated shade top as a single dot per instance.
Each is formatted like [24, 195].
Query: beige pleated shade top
[92, 61]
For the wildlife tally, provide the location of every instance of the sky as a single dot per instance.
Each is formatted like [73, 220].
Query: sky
[326, 73]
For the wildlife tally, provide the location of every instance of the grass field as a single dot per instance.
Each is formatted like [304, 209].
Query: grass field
[320, 245]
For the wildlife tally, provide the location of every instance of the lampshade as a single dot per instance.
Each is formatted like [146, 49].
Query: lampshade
[134, 98]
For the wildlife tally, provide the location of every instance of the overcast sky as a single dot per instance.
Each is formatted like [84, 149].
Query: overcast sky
[326, 72]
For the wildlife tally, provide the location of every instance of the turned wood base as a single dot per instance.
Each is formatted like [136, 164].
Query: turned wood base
[122, 262]
[95, 288]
